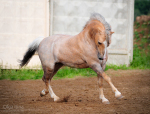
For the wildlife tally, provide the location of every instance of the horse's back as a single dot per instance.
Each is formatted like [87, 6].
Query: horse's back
[49, 41]
[48, 46]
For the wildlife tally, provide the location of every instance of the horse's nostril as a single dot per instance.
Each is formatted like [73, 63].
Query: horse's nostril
[100, 58]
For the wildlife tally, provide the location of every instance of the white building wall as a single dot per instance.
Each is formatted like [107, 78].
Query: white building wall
[21, 21]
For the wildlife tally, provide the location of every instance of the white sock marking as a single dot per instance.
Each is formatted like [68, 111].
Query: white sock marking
[117, 93]
[52, 94]
[43, 92]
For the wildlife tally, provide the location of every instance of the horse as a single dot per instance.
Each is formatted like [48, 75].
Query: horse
[88, 49]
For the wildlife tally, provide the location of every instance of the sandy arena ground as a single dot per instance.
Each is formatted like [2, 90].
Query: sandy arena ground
[24, 96]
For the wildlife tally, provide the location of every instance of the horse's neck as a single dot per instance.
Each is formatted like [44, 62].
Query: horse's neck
[87, 39]
[84, 41]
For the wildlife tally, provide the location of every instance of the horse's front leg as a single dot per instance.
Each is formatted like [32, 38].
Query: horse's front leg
[98, 69]
[100, 84]
[102, 97]
[44, 91]
[115, 90]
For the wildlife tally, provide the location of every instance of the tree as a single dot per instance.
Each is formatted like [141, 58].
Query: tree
[143, 6]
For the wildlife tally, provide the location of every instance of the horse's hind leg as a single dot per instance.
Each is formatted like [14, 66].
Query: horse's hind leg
[48, 74]
[46, 77]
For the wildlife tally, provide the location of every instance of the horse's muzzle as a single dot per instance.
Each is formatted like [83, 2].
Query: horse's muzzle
[100, 57]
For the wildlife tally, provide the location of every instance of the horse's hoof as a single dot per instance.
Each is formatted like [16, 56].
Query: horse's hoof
[106, 102]
[119, 97]
[43, 93]
[57, 99]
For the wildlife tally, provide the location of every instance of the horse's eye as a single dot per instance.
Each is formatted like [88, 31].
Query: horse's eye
[99, 43]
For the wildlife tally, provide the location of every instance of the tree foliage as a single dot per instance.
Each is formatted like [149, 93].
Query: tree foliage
[141, 7]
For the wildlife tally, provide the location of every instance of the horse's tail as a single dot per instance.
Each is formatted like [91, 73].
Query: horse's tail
[30, 52]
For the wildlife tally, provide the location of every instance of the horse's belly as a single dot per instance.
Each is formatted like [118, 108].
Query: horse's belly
[76, 65]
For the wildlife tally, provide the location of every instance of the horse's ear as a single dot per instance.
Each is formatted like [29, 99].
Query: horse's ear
[112, 33]
[109, 40]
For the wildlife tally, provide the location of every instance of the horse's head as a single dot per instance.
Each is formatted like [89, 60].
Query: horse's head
[100, 32]
[101, 37]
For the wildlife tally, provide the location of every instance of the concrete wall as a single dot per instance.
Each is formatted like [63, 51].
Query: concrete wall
[21, 21]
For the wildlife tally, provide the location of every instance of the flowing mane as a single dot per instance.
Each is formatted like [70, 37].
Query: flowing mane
[100, 18]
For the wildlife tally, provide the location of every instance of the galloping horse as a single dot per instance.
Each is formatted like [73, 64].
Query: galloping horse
[84, 50]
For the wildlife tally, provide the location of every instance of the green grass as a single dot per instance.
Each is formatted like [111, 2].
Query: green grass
[141, 60]
[65, 72]
[26, 74]
[22, 74]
